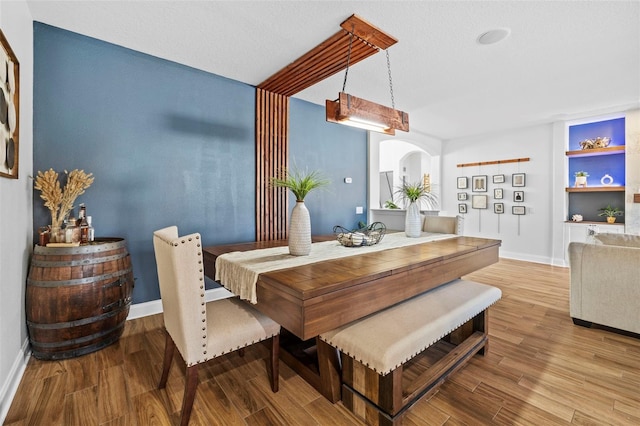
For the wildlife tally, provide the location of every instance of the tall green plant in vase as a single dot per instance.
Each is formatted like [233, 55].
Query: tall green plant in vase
[300, 183]
[416, 194]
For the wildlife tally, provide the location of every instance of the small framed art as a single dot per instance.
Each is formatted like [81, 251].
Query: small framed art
[498, 208]
[462, 208]
[479, 183]
[497, 193]
[518, 210]
[518, 196]
[9, 110]
[462, 196]
[518, 179]
[479, 201]
[498, 178]
[462, 182]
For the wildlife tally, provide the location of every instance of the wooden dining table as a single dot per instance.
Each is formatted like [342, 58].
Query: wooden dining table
[314, 298]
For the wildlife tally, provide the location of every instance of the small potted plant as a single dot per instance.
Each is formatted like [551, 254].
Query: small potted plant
[581, 179]
[610, 213]
[300, 183]
[415, 194]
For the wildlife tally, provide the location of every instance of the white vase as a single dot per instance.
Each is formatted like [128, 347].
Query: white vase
[300, 230]
[412, 222]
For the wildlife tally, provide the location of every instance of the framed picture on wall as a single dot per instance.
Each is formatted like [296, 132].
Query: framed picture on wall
[498, 208]
[462, 196]
[479, 183]
[498, 178]
[497, 193]
[518, 210]
[518, 196]
[518, 179]
[462, 208]
[462, 182]
[479, 201]
[9, 110]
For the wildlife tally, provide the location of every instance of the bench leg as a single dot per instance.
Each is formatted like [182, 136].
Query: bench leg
[329, 368]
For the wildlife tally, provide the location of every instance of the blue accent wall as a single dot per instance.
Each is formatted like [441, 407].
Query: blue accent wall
[169, 144]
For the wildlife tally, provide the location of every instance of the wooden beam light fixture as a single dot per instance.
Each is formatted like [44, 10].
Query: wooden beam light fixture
[357, 112]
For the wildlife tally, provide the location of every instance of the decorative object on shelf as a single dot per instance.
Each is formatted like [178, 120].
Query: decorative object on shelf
[479, 183]
[60, 201]
[606, 180]
[498, 208]
[363, 236]
[389, 204]
[462, 182]
[599, 142]
[300, 183]
[9, 110]
[576, 218]
[610, 213]
[581, 179]
[415, 194]
[518, 179]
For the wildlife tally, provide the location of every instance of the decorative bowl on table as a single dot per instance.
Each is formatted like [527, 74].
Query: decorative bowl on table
[366, 236]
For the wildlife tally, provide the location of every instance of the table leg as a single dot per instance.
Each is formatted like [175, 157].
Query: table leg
[329, 368]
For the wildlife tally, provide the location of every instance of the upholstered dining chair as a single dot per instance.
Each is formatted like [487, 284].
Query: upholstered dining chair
[202, 330]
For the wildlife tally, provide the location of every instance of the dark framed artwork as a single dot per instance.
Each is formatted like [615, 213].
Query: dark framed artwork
[479, 201]
[462, 208]
[518, 196]
[518, 179]
[479, 183]
[497, 193]
[518, 210]
[498, 208]
[462, 196]
[498, 178]
[462, 182]
[9, 110]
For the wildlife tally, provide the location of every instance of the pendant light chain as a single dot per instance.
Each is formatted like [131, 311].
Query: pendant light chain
[393, 102]
[346, 72]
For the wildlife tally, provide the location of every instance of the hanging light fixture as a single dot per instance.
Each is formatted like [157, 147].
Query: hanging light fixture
[357, 112]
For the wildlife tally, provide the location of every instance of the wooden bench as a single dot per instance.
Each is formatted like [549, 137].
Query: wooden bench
[377, 349]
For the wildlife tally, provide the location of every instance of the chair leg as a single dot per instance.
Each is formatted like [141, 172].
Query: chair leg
[189, 394]
[169, 349]
[274, 362]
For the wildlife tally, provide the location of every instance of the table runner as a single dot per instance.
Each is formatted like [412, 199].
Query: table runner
[238, 271]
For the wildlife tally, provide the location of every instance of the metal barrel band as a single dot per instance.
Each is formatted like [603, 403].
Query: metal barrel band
[83, 249]
[82, 262]
[77, 323]
[78, 281]
[79, 340]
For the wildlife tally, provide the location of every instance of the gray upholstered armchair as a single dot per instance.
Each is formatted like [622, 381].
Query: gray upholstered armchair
[202, 330]
[605, 282]
[443, 224]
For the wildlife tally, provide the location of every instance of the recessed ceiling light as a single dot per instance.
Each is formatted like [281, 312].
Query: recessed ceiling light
[494, 36]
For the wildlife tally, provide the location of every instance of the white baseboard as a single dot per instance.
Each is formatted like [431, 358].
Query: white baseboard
[153, 307]
[526, 258]
[10, 387]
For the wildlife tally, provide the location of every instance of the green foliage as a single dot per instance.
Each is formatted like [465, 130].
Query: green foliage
[582, 173]
[414, 192]
[610, 211]
[389, 204]
[299, 182]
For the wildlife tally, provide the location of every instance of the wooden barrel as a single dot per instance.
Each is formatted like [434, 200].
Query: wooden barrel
[78, 298]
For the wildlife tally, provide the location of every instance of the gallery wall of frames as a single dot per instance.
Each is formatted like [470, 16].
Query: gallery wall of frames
[500, 193]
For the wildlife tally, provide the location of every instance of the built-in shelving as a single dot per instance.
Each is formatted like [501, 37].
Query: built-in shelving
[597, 189]
[596, 151]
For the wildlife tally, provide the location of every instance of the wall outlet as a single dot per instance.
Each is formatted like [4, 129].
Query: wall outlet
[359, 210]
[347, 180]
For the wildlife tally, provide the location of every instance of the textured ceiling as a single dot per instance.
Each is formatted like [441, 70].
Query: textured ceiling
[563, 58]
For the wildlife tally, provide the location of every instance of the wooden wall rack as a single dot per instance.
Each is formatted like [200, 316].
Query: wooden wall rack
[486, 163]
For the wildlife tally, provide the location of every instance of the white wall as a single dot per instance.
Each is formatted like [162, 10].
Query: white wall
[529, 237]
[16, 212]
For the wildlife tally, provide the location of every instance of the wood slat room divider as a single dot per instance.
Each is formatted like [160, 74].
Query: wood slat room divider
[272, 112]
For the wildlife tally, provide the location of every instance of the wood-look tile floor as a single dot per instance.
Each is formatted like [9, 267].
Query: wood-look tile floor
[541, 370]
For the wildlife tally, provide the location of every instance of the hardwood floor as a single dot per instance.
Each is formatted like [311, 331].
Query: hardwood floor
[541, 370]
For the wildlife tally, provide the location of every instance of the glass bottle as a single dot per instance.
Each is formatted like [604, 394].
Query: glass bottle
[91, 232]
[83, 225]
